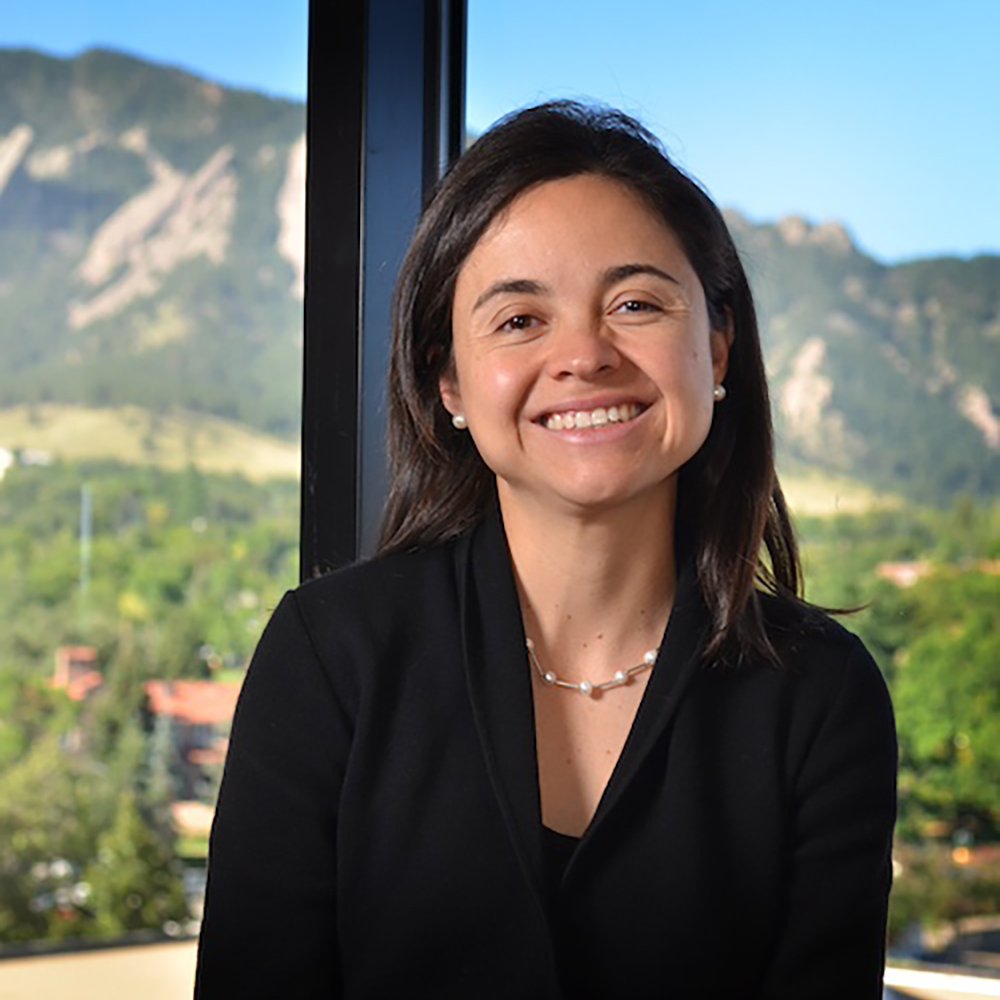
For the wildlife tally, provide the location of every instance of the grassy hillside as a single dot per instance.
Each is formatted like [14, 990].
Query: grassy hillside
[134, 436]
[820, 494]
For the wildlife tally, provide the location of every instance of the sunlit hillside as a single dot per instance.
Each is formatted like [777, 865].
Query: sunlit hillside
[133, 435]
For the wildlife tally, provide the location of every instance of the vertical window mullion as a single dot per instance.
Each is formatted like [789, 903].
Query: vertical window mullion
[385, 117]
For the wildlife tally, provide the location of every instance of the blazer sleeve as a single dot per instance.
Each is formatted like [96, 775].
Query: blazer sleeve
[832, 944]
[269, 926]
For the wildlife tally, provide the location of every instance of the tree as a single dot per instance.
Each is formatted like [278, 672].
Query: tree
[48, 826]
[948, 701]
[135, 882]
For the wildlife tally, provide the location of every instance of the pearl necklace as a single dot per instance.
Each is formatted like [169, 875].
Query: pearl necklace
[620, 679]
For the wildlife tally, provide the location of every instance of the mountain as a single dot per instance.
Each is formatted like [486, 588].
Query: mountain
[151, 234]
[886, 372]
[151, 231]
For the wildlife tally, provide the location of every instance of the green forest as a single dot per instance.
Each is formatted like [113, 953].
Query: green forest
[182, 571]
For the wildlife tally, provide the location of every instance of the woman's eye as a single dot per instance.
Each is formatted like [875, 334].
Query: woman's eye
[521, 322]
[636, 306]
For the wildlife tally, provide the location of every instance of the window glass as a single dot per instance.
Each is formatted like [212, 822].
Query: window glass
[859, 188]
[151, 284]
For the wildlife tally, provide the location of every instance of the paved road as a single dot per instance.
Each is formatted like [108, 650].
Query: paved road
[145, 972]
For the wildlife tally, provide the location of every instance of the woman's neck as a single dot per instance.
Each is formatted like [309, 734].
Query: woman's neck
[596, 589]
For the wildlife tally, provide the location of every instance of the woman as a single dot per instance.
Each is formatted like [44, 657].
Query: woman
[571, 734]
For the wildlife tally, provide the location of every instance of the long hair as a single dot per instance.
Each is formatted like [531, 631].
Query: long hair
[730, 508]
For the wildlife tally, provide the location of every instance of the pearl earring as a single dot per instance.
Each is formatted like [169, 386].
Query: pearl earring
[459, 422]
[719, 393]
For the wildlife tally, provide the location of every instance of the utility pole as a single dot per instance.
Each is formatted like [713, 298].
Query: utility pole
[86, 532]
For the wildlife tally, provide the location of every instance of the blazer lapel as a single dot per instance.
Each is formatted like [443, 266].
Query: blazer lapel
[679, 659]
[499, 681]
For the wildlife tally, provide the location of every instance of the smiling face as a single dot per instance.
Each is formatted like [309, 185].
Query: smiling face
[583, 358]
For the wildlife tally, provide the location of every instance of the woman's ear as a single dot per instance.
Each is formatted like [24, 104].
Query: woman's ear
[451, 398]
[720, 343]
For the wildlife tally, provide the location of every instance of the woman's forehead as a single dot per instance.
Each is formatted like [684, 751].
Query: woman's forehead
[584, 221]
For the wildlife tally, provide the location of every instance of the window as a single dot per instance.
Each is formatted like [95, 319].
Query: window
[151, 295]
[848, 172]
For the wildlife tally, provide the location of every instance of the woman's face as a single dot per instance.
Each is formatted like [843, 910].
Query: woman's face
[583, 358]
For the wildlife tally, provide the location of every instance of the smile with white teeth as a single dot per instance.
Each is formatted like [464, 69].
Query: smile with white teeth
[598, 417]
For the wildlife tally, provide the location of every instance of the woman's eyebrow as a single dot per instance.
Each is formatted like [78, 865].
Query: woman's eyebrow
[512, 286]
[615, 274]
[527, 286]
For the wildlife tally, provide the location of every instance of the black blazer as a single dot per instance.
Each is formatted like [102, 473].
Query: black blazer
[378, 832]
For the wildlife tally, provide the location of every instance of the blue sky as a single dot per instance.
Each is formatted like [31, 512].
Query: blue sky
[884, 115]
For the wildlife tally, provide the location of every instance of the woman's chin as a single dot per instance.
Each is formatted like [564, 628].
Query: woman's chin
[593, 497]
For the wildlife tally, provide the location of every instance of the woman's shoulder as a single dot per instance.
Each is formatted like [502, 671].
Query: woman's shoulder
[792, 625]
[361, 623]
[814, 648]
[382, 577]
[377, 600]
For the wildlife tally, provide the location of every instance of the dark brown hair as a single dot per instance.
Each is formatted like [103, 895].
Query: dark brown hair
[730, 508]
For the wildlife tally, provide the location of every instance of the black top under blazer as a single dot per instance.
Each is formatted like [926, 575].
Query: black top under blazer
[378, 832]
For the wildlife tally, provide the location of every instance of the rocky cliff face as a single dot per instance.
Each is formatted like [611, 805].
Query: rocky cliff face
[152, 254]
[151, 240]
[889, 373]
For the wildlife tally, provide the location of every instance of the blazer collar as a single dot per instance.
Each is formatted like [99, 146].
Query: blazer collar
[499, 681]
[500, 686]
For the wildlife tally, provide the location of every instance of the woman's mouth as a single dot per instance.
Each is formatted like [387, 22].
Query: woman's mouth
[600, 416]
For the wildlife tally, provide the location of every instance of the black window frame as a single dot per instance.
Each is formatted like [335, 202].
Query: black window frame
[385, 118]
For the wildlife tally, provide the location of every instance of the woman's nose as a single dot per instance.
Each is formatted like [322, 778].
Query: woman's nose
[582, 350]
